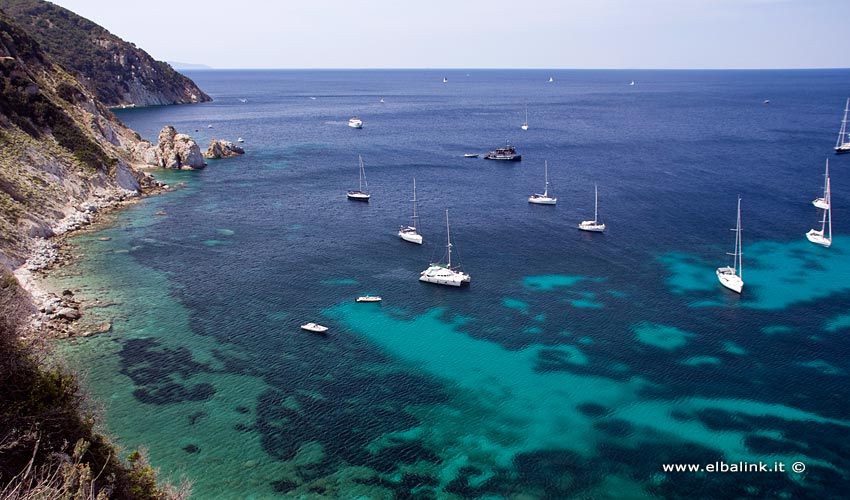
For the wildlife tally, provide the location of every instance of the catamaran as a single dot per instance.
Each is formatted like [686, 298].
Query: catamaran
[733, 277]
[444, 274]
[359, 194]
[842, 145]
[824, 235]
[822, 202]
[593, 225]
[409, 233]
[544, 199]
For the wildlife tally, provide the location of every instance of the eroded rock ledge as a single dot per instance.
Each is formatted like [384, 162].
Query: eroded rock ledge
[223, 149]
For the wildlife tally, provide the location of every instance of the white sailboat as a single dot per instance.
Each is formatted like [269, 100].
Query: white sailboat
[842, 145]
[733, 277]
[593, 225]
[822, 202]
[551, 80]
[409, 233]
[359, 194]
[525, 123]
[544, 199]
[444, 274]
[824, 235]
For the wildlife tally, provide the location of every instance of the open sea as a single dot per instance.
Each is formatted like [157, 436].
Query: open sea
[575, 366]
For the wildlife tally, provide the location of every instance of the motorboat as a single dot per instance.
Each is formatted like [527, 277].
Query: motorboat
[368, 298]
[355, 122]
[314, 327]
[507, 153]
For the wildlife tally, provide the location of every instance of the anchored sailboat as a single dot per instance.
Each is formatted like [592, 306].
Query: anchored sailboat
[359, 194]
[733, 277]
[444, 274]
[842, 145]
[525, 123]
[824, 235]
[544, 199]
[822, 202]
[409, 233]
[593, 225]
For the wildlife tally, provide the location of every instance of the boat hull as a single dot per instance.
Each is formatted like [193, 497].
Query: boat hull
[357, 196]
[503, 158]
[542, 200]
[842, 149]
[440, 275]
[817, 238]
[591, 226]
[412, 237]
[728, 278]
[315, 328]
[368, 298]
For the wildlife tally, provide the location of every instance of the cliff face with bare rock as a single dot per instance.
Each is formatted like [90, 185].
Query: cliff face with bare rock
[117, 72]
[59, 147]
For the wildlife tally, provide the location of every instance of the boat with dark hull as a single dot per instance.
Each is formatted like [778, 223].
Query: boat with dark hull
[507, 153]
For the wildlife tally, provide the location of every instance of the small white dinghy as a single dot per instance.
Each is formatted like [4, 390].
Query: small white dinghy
[368, 298]
[314, 327]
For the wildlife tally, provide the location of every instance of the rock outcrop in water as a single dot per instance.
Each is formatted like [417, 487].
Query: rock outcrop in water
[178, 151]
[223, 149]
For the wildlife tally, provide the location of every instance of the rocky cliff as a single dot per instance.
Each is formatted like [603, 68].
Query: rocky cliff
[117, 72]
[59, 147]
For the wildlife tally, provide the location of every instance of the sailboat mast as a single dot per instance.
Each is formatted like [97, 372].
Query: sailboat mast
[826, 178]
[828, 214]
[448, 240]
[739, 251]
[414, 204]
[596, 203]
[546, 174]
[360, 177]
[843, 131]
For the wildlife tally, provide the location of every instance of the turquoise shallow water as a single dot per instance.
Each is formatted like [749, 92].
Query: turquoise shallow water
[574, 366]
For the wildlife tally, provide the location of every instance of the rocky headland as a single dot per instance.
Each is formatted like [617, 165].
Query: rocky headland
[117, 72]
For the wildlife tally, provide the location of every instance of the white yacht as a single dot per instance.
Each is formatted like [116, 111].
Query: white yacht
[445, 274]
[593, 225]
[544, 199]
[733, 277]
[824, 235]
[355, 122]
[314, 327]
[409, 233]
[359, 194]
[368, 298]
[822, 202]
[842, 145]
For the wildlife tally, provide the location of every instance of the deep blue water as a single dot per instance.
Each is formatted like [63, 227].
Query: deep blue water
[574, 366]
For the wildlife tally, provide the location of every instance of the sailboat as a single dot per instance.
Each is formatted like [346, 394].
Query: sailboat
[733, 277]
[551, 80]
[593, 225]
[632, 83]
[359, 194]
[544, 199]
[408, 233]
[444, 274]
[822, 202]
[525, 123]
[842, 145]
[824, 235]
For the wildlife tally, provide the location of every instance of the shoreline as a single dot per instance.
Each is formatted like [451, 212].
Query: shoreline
[60, 314]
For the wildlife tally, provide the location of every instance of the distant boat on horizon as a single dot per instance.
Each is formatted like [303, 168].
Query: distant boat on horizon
[445, 80]
[551, 80]
[631, 83]
[355, 122]
[525, 123]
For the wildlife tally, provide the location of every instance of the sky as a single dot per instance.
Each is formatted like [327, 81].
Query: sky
[591, 34]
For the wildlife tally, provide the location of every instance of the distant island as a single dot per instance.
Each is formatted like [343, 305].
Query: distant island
[182, 65]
